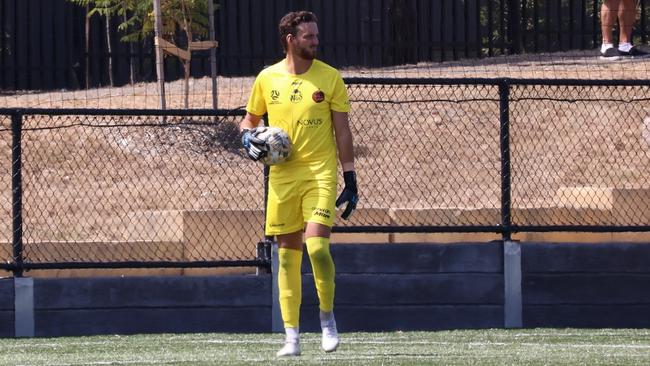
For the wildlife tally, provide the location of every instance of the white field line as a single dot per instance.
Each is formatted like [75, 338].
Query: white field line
[409, 342]
[345, 340]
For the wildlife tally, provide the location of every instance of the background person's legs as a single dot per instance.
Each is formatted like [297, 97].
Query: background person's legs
[608, 16]
[626, 19]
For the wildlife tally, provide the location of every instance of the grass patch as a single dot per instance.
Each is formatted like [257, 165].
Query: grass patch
[459, 347]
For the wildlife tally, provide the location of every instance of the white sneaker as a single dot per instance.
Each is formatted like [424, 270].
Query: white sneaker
[330, 336]
[289, 349]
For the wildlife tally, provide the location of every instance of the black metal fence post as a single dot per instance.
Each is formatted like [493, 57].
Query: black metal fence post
[17, 193]
[514, 26]
[504, 138]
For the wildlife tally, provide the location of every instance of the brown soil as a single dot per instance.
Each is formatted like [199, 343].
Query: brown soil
[428, 147]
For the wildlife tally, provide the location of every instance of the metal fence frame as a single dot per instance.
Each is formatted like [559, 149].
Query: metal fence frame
[505, 228]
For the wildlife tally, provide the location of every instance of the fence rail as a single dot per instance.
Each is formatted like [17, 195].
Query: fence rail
[151, 188]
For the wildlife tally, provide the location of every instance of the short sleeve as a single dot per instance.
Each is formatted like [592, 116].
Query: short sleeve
[256, 104]
[340, 101]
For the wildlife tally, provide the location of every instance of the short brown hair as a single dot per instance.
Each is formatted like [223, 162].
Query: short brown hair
[290, 22]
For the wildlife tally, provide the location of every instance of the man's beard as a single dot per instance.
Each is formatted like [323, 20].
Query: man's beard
[306, 53]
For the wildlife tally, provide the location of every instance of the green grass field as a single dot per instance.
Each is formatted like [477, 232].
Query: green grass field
[462, 347]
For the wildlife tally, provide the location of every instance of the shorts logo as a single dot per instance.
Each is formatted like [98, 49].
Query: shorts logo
[318, 96]
[322, 212]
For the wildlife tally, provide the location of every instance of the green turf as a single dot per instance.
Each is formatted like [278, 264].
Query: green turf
[466, 347]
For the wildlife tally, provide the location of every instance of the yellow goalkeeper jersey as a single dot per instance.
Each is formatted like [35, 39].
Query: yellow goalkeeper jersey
[302, 105]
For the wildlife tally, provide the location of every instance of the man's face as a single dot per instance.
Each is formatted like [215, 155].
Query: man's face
[305, 43]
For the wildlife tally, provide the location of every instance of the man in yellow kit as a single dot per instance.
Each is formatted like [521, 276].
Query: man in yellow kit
[308, 99]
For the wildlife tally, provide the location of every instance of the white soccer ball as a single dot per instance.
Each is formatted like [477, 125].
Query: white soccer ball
[278, 144]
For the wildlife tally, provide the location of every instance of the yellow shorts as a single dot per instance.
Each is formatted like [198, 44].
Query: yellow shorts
[290, 205]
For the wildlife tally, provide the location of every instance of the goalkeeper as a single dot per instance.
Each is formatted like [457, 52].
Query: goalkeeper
[308, 99]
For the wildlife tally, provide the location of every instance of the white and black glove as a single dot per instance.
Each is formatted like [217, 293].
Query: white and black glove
[255, 147]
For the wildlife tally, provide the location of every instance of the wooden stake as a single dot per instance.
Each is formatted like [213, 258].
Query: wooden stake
[213, 55]
[160, 66]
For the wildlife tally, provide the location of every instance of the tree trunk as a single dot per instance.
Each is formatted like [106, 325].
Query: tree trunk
[160, 69]
[131, 52]
[186, 66]
[87, 47]
[110, 50]
[186, 63]
[213, 58]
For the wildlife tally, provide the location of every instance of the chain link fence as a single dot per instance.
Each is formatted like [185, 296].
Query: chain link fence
[141, 188]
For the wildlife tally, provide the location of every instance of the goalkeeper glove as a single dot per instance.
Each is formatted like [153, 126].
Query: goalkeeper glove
[349, 194]
[255, 147]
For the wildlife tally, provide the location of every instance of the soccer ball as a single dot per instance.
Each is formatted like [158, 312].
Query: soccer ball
[278, 144]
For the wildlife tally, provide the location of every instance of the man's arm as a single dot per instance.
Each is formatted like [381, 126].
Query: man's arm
[249, 122]
[343, 140]
[344, 144]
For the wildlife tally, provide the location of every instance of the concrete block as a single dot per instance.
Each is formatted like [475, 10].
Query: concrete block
[561, 216]
[445, 216]
[563, 237]
[631, 206]
[444, 237]
[155, 225]
[104, 272]
[222, 234]
[361, 238]
[601, 198]
[365, 217]
[52, 251]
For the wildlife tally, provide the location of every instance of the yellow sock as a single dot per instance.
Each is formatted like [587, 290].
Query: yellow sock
[323, 267]
[290, 285]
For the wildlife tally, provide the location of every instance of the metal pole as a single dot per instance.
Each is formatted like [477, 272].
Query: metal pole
[213, 57]
[160, 65]
[513, 306]
[17, 193]
[504, 107]
[514, 27]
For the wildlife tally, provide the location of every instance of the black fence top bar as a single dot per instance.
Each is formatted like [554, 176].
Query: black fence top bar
[496, 81]
[581, 228]
[419, 229]
[136, 264]
[123, 112]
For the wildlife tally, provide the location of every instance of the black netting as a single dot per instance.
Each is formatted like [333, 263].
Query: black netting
[106, 186]
[580, 155]
[426, 154]
[138, 188]
[6, 191]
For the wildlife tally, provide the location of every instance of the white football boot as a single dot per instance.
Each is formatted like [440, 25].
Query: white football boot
[291, 343]
[330, 339]
[291, 348]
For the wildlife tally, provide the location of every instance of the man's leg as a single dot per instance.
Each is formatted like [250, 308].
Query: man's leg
[318, 246]
[290, 289]
[626, 19]
[608, 17]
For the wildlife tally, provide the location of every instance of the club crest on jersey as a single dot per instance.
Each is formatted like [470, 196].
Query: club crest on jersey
[296, 95]
[318, 96]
